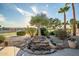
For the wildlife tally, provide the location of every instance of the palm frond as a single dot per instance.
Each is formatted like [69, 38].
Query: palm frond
[61, 10]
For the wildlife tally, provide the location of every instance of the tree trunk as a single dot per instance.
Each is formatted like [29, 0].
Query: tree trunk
[39, 32]
[74, 20]
[64, 21]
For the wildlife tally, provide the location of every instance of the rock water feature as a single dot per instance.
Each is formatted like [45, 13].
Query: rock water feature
[38, 45]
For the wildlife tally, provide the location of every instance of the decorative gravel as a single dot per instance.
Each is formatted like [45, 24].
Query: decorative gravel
[64, 52]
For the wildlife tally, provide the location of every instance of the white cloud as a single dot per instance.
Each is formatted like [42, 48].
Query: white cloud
[26, 14]
[23, 12]
[2, 18]
[45, 12]
[34, 9]
[20, 11]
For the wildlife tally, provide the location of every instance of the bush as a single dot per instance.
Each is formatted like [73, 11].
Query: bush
[44, 31]
[21, 33]
[61, 34]
[52, 33]
[2, 38]
[78, 25]
[31, 31]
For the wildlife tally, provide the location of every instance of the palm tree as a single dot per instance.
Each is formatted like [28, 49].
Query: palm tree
[64, 10]
[74, 20]
[78, 25]
[39, 21]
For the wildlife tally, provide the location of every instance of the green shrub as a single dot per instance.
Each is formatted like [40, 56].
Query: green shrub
[21, 33]
[2, 38]
[61, 34]
[44, 31]
[31, 31]
[52, 33]
[78, 25]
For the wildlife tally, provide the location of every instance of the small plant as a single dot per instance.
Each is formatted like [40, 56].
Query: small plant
[61, 34]
[6, 43]
[52, 33]
[31, 31]
[21, 33]
[78, 25]
[44, 31]
[2, 38]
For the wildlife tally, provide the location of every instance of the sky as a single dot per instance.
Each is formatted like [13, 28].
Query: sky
[19, 14]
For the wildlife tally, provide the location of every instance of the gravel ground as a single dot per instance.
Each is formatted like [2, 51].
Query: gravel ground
[64, 52]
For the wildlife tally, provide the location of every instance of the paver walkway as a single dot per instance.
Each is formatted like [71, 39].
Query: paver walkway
[9, 51]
